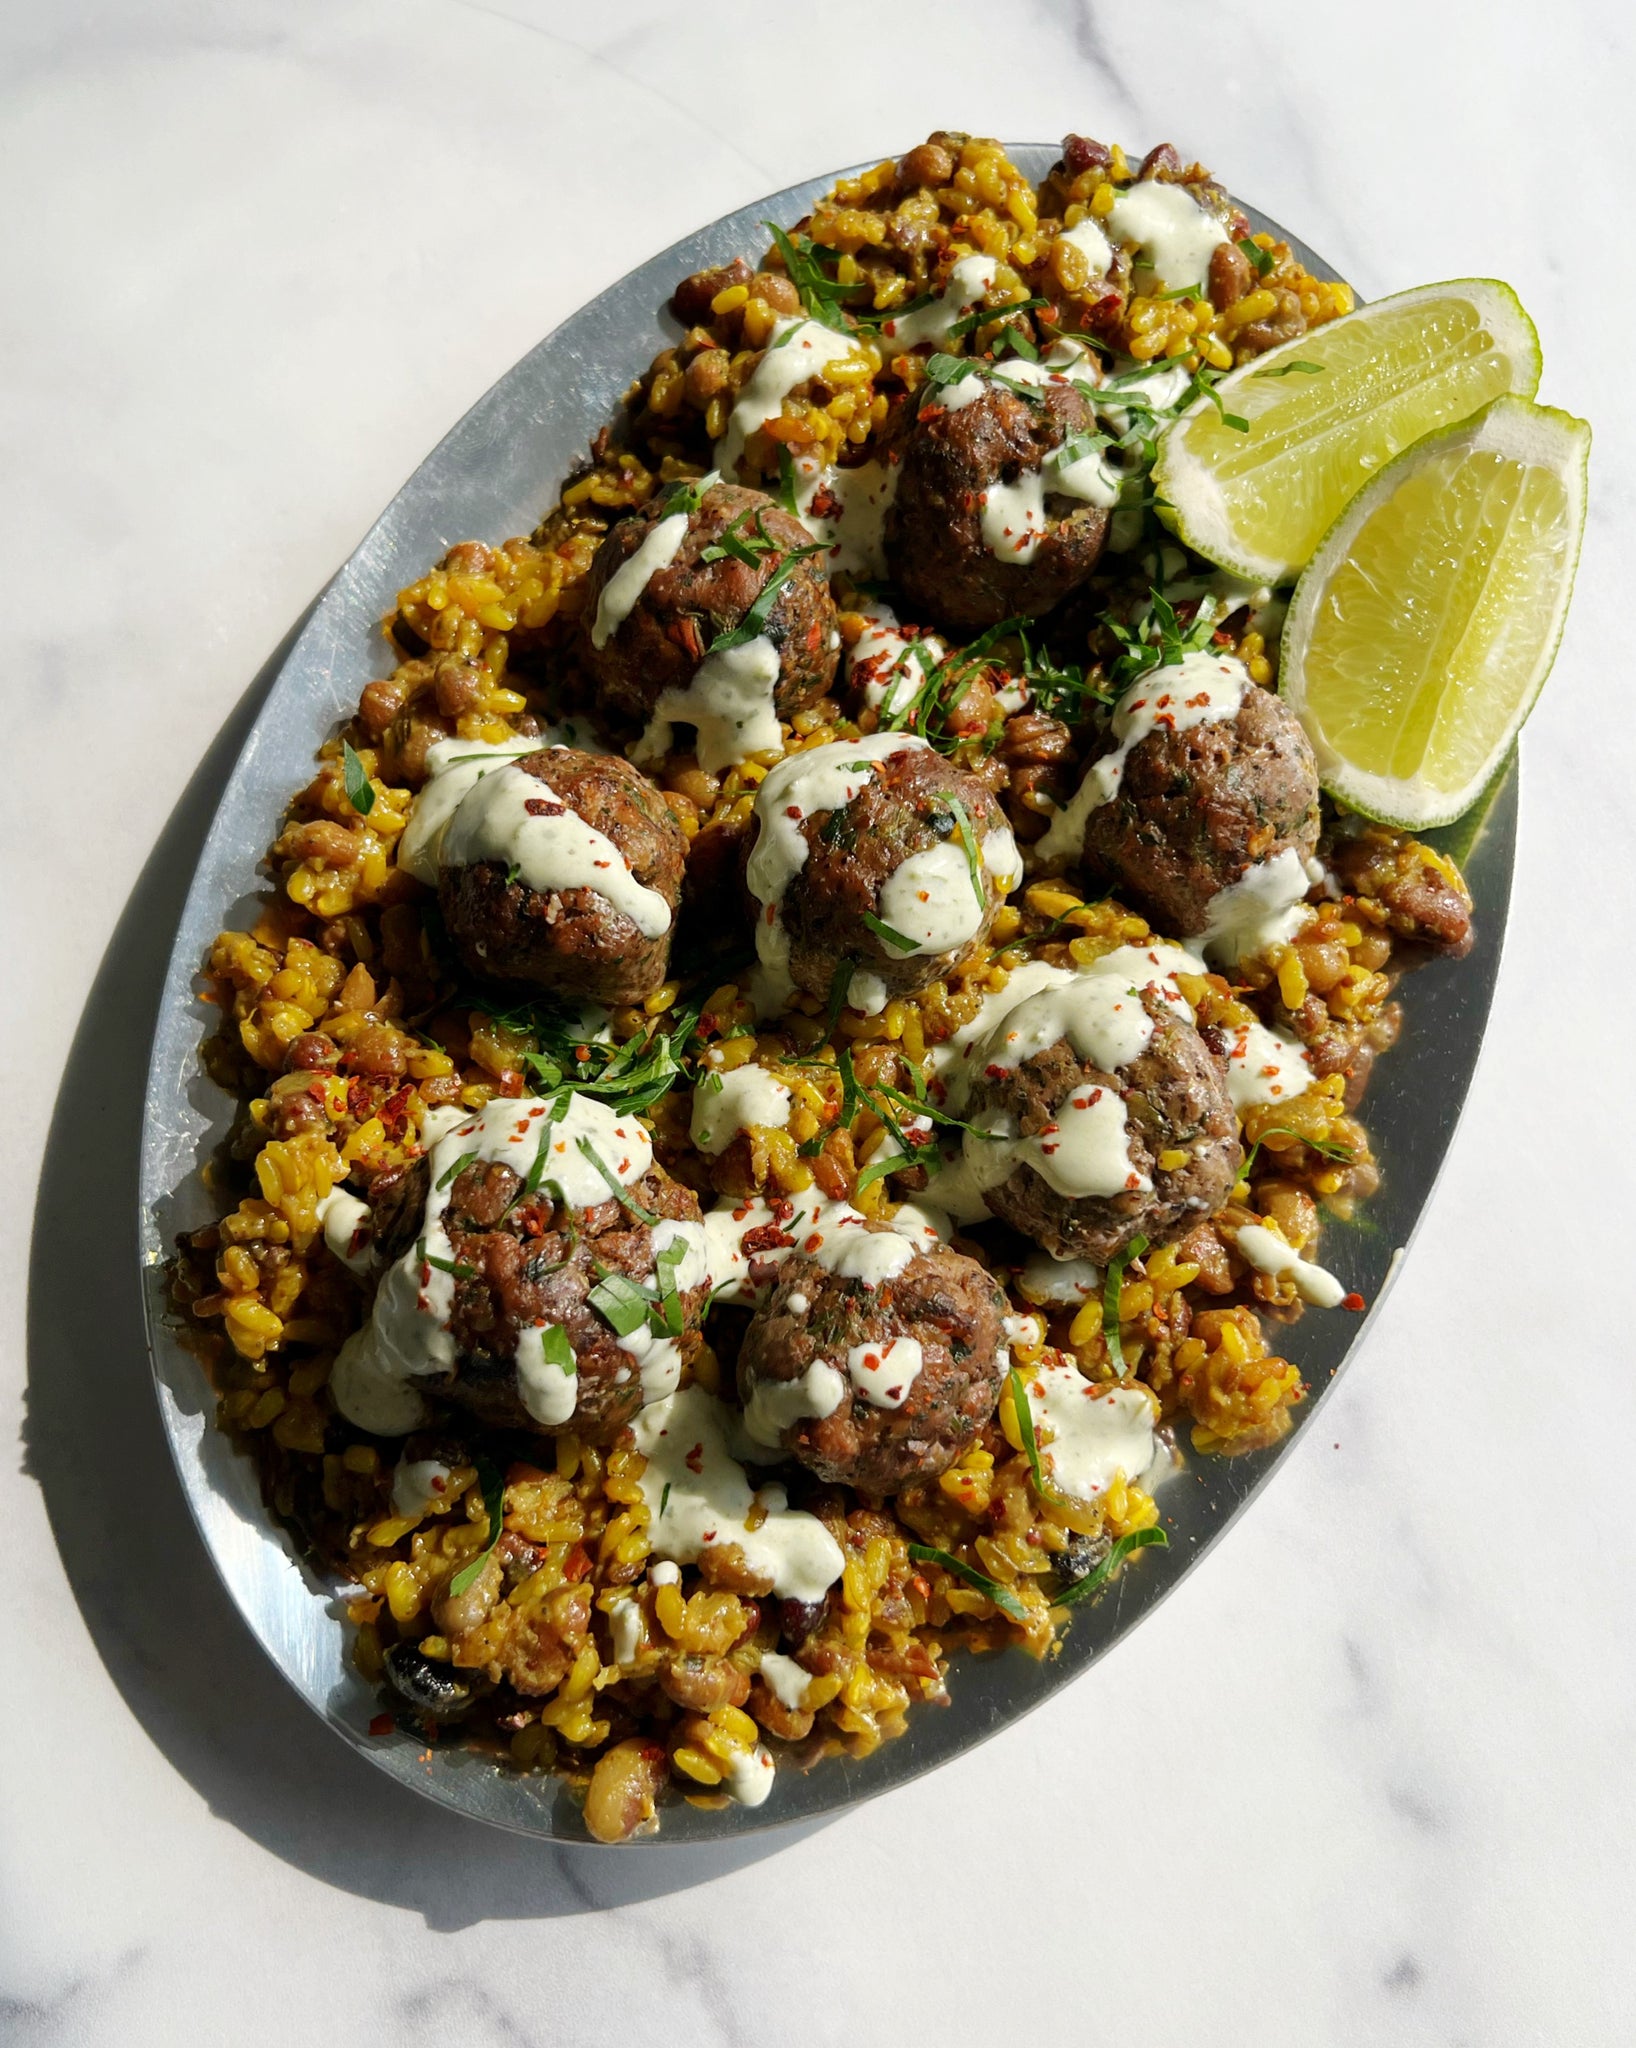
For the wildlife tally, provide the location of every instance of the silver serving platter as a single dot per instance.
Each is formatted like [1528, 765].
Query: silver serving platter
[491, 477]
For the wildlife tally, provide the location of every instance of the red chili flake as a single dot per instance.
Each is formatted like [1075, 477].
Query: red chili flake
[602, 863]
[543, 807]
[694, 1461]
[576, 1564]
[1356, 1303]
[993, 1073]
[825, 504]
[394, 1113]
[814, 1241]
[772, 913]
[894, 1393]
[358, 1098]
[871, 1361]
[381, 1724]
[921, 1586]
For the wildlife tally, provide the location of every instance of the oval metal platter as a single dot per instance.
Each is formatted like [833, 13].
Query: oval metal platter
[493, 476]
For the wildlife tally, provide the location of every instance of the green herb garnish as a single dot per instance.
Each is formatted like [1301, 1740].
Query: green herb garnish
[616, 1187]
[458, 1168]
[1112, 1280]
[1290, 369]
[755, 619]
[1002, 1596]
[1137, 1539]
[664, 1500]
[460, 1272]
[986, 315]
[743, 547]
[786, 481]
[1326, 1146]
[494, 1506]
[360, 790]
[968, 840]
[687, 495]
[1263, 259]
[1025, 1429]
[820, 293]
[887, 935]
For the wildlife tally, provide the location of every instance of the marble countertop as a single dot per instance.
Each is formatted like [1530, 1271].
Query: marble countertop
[1367, 1776]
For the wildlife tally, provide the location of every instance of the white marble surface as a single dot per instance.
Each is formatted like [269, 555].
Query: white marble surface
[1368, 1776]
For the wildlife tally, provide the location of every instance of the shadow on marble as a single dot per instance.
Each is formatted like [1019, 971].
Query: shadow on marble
[160, 1619]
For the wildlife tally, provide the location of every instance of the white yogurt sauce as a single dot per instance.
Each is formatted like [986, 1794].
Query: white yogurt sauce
[726, 1103]
[1266, 1066]
[1269, 1254]
[416, 1483]
[970, 281]
[1201, 689]
[658, 1358]
[348, 1229]
[625, 1626]
[750, 1776]
[453, 769]
[1264, 907]
[846, 509]
[808, 1222]
[632, 577]
[799, 349]
[777, 1405]
[1097, 1432]
[698, 1496]
[1059, 1283]
[1174, 236]
[800, 786]
[884, 665]
[933, 898]
[883, 1374]
[729, 704]
[407, 1336]
[1091, 243]
[786, 1680]
[512, 817]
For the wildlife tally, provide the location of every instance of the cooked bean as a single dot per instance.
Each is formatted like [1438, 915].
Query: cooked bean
[925, 164]
[1230, 275]
[624, 1789]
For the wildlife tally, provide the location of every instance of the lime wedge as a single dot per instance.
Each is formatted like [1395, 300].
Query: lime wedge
[1329, 411]
[1420, 634]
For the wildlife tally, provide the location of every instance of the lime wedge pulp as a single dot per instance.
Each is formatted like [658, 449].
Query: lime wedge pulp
[1328, 411]
[1425, 624]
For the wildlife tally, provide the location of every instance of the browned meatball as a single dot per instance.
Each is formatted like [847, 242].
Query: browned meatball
[935, 548]
[1196, 809]
[1175, 1099]
[517, 1267]
[895, 852]
[909, 1367]
[593, 943]
[663, 639]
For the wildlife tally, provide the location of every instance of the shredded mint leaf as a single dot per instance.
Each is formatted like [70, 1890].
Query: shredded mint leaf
[1002, 1596]
[1025, 1429]
[1137, 1539]
[820, 293]
[786, 481]
[494, 1506]
[1112, 1280]
[754, 622]
[985, 315]
[360, 791]
[616, 1187]
[968, 840]
[458, 1168]
[1262, 259]
[886, 934]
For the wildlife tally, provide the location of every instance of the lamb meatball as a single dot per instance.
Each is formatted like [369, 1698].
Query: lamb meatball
[562, 872]
[880, 1373]
[1106, 1117]
[520, 1262]
[1194, 806]
[654, 605]
[881, 829]
[983, 527]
